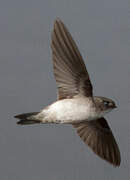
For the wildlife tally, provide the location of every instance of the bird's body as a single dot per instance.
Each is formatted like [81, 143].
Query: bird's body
[75, 110]
[70, 111]
[76, 104]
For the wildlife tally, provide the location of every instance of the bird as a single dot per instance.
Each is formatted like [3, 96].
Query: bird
[76, 105]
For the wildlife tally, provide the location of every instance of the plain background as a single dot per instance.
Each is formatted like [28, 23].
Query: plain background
[101, 29]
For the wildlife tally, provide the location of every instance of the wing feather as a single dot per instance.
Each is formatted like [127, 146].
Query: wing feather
[69, 69]
[98, 136]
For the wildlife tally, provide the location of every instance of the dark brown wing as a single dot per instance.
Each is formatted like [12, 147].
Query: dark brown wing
[69, 69]
[98, 136]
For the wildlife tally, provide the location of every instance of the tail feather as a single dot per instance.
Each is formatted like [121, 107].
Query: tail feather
[28, 122]
[27, 118]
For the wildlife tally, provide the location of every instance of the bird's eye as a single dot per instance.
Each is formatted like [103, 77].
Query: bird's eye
[106, 103]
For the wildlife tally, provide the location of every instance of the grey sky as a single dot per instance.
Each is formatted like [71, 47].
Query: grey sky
[54, 152]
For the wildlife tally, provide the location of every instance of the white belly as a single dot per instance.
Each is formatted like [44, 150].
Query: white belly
[71, 110]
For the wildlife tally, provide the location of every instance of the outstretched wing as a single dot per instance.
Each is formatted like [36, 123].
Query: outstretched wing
[98, 136]
[69, 69]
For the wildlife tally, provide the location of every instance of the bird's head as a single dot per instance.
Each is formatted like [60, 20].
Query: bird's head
[104, 104]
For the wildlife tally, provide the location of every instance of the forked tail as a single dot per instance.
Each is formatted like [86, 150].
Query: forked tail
[27, 118]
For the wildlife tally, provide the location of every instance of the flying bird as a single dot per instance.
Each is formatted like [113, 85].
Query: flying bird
[76, 104]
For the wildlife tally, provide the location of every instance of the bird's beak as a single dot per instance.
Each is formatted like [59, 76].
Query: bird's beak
[115, 106]
[112, 105]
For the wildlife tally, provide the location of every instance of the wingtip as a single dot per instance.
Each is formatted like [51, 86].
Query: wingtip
[57, 21]
[116, 165]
